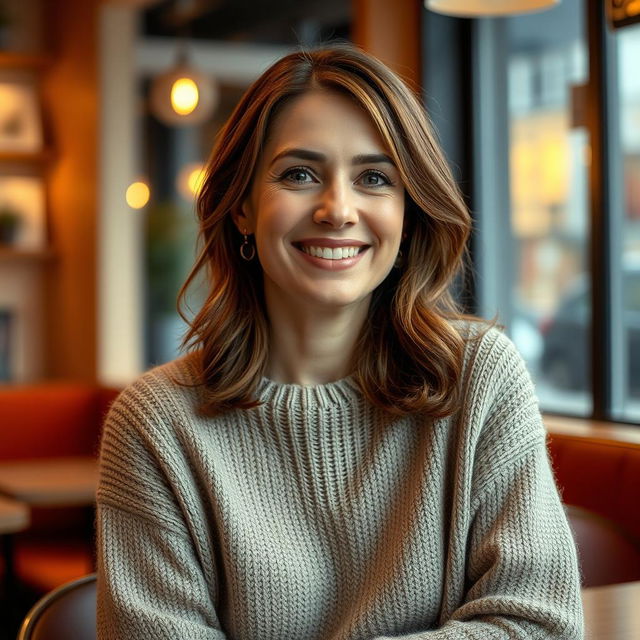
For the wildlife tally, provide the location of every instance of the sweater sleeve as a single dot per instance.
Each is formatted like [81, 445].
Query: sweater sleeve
[150, 579]
[522, 576]
[522, 568]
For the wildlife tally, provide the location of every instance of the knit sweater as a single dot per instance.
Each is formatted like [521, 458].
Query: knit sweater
[318, 516]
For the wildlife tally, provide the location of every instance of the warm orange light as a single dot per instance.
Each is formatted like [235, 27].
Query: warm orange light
[190, 180]
[138, 195]
[184, 96]
[195, 180]
[633, 8]
[540, 159]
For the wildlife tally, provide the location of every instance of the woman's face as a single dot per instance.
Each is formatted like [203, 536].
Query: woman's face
[325, 187]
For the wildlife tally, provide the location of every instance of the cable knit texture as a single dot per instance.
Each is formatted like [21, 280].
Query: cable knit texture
[319, 517]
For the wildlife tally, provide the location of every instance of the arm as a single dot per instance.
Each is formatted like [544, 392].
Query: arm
[150, 579]
[149, 582]
[522, 569]
[521, 573]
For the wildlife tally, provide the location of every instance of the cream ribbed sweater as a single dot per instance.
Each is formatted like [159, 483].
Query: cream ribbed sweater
[318, 517]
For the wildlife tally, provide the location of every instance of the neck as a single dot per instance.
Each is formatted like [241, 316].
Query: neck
[313, 345]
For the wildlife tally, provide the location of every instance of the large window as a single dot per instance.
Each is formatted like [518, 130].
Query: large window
[624, 85]
[533, 199]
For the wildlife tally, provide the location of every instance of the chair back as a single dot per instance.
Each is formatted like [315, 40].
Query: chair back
[66, 613]
[607, 553]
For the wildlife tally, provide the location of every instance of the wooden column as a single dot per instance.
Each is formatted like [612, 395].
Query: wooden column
[70, 96]
[391, 32]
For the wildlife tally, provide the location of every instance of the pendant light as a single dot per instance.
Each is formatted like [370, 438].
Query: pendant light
[183, 95]
[487, 8]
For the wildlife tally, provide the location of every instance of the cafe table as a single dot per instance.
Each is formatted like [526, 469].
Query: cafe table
[612, 612]
[50, 482]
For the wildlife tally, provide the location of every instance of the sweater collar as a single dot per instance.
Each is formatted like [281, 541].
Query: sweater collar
[329, 393]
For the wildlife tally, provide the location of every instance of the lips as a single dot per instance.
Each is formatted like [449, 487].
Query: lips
[331, 243]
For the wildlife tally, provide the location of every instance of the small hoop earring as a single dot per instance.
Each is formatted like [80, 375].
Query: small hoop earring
[399, 262]
[246, 245]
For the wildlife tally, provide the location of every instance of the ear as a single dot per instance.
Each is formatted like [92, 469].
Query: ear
[243, 218]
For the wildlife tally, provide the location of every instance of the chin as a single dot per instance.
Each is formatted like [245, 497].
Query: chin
[335, 300]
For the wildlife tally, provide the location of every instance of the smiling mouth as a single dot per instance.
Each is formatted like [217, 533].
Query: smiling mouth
[328, 253]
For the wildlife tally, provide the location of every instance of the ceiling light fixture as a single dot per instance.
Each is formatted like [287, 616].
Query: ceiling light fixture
[183, 95]
[487, 8]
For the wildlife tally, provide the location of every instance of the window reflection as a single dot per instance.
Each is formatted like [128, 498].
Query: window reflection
[548, 161]
[626, 321]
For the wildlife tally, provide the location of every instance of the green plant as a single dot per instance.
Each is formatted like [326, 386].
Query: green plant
[10, 222]
[170, 241]
[5, 20]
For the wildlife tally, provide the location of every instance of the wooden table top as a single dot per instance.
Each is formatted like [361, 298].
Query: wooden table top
[14, 516]
[50, 482]
[612, 612]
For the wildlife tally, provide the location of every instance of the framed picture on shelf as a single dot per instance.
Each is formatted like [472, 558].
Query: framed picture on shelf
[6, 329]
[22, 212]
[20, 116]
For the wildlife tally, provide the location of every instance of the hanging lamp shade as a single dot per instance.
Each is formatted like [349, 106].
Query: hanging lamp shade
[487, 8]
[183, 95]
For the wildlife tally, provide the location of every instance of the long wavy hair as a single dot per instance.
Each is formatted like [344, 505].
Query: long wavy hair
[409, 354]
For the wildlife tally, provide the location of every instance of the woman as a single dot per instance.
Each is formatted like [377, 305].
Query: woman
[340, 455]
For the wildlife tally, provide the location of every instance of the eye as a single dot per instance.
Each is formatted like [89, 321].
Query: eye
[374, 178]
[298, 175]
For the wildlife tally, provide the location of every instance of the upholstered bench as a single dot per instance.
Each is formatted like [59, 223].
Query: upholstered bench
[597, 467]
[44, 421]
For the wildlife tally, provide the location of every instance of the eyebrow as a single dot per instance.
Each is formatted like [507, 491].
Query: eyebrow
[316, 156]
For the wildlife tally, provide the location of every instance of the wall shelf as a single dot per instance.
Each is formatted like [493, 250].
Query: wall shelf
[23, 61]
[13, 255]
[40, 159]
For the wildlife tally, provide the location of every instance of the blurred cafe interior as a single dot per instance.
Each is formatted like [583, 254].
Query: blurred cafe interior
[537, 106]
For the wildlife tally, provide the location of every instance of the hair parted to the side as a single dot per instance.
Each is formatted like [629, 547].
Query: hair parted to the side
[409, 354]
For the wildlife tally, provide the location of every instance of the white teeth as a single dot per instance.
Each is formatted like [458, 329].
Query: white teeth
[332, 254]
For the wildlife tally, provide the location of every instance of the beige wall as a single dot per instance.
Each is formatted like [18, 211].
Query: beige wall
[70, 92]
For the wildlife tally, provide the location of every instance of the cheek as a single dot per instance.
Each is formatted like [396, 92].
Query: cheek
[277, 214]
[389, 222]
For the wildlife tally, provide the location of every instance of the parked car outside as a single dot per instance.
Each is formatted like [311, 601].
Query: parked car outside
[565, 361]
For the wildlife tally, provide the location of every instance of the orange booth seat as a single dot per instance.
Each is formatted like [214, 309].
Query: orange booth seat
[601, 474]
[53, 420]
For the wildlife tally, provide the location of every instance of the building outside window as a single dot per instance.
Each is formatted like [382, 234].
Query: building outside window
[532, 198]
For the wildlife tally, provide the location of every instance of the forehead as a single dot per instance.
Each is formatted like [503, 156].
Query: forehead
[322, 118]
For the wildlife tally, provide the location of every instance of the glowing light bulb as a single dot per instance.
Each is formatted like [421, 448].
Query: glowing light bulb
[138, 195]
[189, 180]
[184, 96]
[196, 177]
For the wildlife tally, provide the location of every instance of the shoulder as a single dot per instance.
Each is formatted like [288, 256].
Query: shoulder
[141, 454]
[491, 358]
[495, 382]
[499, 403]
[160, 392]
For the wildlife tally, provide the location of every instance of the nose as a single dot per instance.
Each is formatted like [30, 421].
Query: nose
[337, 206]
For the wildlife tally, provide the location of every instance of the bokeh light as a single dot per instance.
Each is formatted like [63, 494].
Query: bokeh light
[138, 195]
[190, 180]
[184, 96]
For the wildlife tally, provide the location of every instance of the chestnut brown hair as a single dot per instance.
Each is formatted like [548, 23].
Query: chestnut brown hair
[409, 354]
